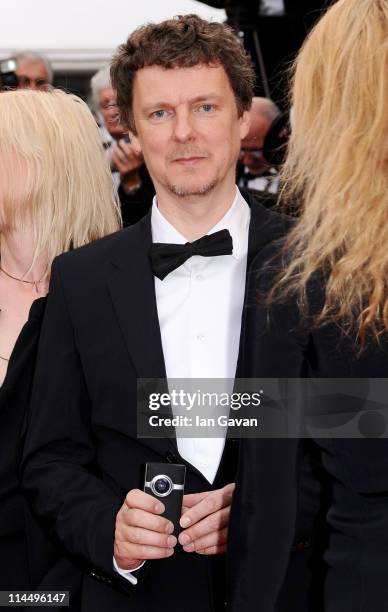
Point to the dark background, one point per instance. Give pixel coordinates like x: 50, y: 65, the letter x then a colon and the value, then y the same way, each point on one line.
x: 280, y: 37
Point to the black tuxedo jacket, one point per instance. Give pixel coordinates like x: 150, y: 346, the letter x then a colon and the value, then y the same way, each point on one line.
x: 100, y: 334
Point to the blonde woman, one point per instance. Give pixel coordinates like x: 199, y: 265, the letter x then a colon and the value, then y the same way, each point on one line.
x: 56, y: 193
x: 326, y: 315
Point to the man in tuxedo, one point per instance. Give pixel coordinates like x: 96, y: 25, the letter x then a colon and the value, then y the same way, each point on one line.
x: 118, y: 310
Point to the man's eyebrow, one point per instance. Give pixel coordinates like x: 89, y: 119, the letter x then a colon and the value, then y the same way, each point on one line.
x: 201, y: 98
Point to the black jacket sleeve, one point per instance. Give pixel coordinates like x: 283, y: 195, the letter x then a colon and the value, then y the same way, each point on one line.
x: 59, y: 472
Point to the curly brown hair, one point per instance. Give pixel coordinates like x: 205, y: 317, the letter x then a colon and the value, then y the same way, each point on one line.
x: 185, y: 41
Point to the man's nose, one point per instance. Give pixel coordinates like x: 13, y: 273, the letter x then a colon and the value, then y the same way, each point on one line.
x: 184, y: 129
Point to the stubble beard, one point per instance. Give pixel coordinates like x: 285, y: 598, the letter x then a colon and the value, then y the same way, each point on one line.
x: 183, y: 191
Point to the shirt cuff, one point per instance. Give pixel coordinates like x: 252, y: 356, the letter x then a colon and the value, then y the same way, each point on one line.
x: 127, y: 574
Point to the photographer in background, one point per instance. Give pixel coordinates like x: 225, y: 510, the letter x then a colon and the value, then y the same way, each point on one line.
x: 33, y: 71
x: 8, y: 78
x: 26, y: 70
x: 254, y: 171
x: 130, y: 175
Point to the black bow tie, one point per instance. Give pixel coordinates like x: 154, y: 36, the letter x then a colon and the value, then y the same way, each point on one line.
x: 167, y: 257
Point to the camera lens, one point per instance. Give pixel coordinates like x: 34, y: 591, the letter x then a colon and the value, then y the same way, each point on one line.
x: 161, y: 485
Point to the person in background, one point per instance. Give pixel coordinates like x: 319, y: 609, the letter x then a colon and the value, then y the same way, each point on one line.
x: 33, y: 70
x: 253, y: 171
x: 130, y: 175
x: 56, y: 194
x: 321, y: 312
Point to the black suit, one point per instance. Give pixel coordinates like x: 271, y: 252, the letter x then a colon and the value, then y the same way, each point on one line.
x: 28, y: 560
x: 353, y: 562
x: 100, y: 334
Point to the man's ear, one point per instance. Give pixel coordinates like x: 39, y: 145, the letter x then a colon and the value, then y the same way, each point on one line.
x: 245, y: 124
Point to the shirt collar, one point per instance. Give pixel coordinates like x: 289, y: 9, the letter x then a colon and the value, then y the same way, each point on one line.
x: 236, y: 220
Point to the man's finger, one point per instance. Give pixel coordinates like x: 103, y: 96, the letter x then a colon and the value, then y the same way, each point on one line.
x: 216, y: 538
x: 213, y: 502
x: 138, y: 535
x: 118, y: 155
x: 129, y: 152
x: 138, y: 499
x: 134, y: 517
x: 134, y: 141
x: 210, y: 524
x: 213, y: 550
x: 126, y: 147
x: 191, y: 499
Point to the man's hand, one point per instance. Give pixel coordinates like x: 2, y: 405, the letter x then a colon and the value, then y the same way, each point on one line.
x: 127, y: 158
x: 205, y: 519
x: 140, y: 532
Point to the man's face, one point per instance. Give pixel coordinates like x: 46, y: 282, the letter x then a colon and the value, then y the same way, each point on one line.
x: 188, y: 127
x: 107, y: 102
x: 251, y: 146
x: 32, y: 75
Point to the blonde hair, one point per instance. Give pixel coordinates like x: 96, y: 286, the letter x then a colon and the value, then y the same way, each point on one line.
x: 53, y: 173
x: 337, y: 168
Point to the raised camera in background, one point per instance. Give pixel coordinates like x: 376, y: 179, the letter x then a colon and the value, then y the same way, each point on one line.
x: 8, y: 76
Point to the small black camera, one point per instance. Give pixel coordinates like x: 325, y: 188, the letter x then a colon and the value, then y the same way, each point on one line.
x: 162, y: 485
x: 8, y: 76
x: 166, y: 482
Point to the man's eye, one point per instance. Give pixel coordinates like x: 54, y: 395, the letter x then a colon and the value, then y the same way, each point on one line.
x: 206, y: 108
x: 159, y: 114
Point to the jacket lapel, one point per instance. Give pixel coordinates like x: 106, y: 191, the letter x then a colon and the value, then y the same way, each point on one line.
x: 132, y: 290
x: 265, y: 226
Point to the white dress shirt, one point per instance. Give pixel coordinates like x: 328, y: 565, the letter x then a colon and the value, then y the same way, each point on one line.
x: 199, y: 309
